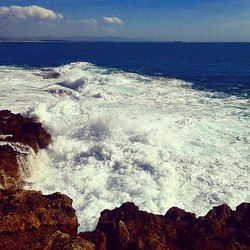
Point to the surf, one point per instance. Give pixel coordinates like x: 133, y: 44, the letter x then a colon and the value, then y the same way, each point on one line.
x: 120, y: 136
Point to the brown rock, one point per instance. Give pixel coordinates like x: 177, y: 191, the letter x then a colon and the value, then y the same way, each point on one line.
x: 30, y: 220
x: 129, y: 228
x: 9, y: 170
x: 59, y: 241
x: 15, y: 130
x: 23, y: 130
x: 97, y: 238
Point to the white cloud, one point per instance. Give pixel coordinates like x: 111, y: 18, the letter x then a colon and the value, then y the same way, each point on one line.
x: 113, y: 20
x: 91, y: 22
x: 29, y: 12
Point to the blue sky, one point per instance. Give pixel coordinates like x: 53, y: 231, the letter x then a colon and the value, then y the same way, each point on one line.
x: 162, y: 20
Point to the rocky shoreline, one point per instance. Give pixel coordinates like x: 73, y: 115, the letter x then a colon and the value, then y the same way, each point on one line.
x: 31, y: 220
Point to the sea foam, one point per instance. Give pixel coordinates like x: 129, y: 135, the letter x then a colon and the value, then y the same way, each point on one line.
x: 121, y: 136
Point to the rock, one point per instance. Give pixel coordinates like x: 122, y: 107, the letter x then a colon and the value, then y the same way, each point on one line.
x: 60, y: 91
x: 5, y: 114
x: 30, y: 220
x: 97, y: 237
x: 129, y: 228
x: 17, y: 134
x: 79, y: 244
x: 60, y: 240
x: 98, y: 95
x: 222, y: 228
x: 51, y: 75
x: 23, y: 130
x: 48, y: 74
x: 9, y: 170
x: 35, y: 129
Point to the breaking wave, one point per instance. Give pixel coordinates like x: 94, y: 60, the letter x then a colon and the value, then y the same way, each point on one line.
x: 121, y: 136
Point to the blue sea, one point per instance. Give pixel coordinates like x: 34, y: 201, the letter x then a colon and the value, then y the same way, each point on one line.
x: 158, y: 124
x: 213, y: 66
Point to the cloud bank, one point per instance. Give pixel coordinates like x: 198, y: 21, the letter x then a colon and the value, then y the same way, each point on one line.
x: 29, y: 12
x: 113, y: 20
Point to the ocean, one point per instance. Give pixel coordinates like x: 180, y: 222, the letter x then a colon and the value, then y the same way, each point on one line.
x: 158, y: 124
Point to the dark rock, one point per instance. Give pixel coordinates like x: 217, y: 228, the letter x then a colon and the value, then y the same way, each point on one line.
x: 59, y: 241
x: 51, y: 75
x: 98, y: 95
x: 35, y: 129
x: 23, y: 130
x: 97, y: 238
x: 5, y: 114
x: 48, y: 74
x: 60, y: 91
x: 9, y: 170
x: 129, y: 228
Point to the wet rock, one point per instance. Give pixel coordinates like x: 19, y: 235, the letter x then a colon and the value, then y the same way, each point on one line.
x: 37, y: 131
x: 60, y: 92
x: 30, y: 220
x: 51, y: 75
x: 15, y: 131
x: 9, y: 169
x: 222, y: 228
x: 98, y: 95
x: 48, y: 74
x: 23, y: 130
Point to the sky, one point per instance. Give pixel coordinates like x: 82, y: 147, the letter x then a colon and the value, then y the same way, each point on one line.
x: 149, y: 20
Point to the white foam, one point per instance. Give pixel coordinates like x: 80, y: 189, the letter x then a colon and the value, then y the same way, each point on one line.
x: 126, y: 137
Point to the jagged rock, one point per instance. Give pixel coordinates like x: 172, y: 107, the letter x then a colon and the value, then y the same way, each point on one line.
x: 15, y: 130
x: 30, y: 220
x: 222, y: 228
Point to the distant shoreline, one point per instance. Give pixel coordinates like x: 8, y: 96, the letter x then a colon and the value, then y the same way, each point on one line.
x: 38, y: 41
x: 104, y: 41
